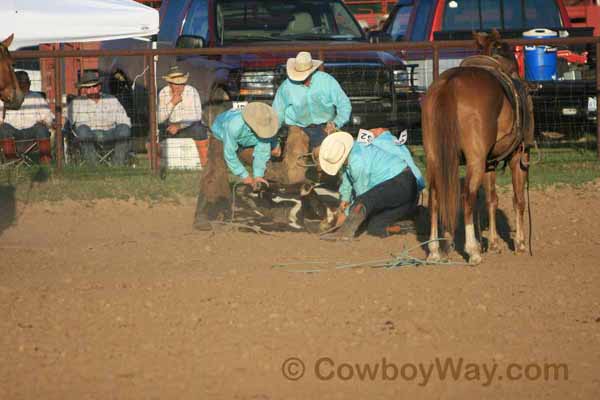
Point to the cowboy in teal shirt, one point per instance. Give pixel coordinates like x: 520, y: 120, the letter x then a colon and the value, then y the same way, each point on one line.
x: 380, y: 178
x: 255, y: 127
x: 312, y: 104
x: 231, y: 129
x: 320, y: 102
x: 371, y: 164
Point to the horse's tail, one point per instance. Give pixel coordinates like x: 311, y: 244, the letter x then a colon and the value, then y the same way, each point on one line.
x: 445, y: 145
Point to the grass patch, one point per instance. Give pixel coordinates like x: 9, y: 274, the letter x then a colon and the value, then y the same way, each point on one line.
x: 566, y: 165
x: 552, y: 166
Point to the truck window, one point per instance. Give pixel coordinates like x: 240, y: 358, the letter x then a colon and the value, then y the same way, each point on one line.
x: 252, y: 20
x: 397, y: 29
x: 196, y: 21
x: 466, y: 15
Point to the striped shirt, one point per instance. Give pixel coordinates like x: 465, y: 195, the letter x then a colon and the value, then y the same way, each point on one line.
x: 33, y: 110
x: 103, y: 115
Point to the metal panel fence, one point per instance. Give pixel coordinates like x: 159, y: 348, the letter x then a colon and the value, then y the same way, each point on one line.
x: 385, y: 83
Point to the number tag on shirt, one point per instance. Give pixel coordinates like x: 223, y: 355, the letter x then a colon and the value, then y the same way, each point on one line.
x: 402, y: 138
x: 364, y: 136
x: 239, y: 105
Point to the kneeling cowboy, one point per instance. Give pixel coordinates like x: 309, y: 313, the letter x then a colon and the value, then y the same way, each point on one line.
x: 383, y: 177
x: 249, y: 134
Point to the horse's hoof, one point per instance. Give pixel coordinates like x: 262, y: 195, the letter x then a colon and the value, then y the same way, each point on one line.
x: 475, y: 259
x: 520, y: 247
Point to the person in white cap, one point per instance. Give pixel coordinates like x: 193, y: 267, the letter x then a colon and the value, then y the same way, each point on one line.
x: 312, y: 104
x: 380, y: 182
x: 251, y: 130
x: 180, y: 112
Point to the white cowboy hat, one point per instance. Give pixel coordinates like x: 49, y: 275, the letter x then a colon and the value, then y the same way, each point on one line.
x: 176, y: 76
x: 334, y: 150
x: 300, y: 67
x: 262, y: 119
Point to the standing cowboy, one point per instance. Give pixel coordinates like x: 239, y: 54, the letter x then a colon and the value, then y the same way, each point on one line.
x: 380, y: 182
x: 247, y: 133
x: 180, y: 112
x: 99, y: 117
x: 313, y: 105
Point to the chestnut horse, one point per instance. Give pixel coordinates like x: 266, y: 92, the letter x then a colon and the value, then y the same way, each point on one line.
x: 467, y: 110
x: 10, y: 93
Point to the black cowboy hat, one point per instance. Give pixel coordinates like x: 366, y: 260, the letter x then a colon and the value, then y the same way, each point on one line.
x: 89, y: 78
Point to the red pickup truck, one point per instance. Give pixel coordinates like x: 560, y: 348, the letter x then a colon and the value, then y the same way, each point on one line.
x: 566, y: 101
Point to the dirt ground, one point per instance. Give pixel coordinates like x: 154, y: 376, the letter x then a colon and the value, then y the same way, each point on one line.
x: 123, y: 300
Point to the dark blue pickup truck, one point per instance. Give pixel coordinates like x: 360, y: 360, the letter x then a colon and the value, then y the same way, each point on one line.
x: 377, y: 83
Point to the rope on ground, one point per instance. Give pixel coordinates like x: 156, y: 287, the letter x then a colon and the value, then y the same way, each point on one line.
x: 399, y: 260
x: 233, y: 196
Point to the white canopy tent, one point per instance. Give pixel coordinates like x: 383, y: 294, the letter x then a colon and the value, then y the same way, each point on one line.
x: 34, y: 22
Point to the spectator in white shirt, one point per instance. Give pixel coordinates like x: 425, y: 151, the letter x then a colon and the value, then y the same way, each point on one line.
x: 99, y: 117
x: 180, y: 112
x: 32, y: 121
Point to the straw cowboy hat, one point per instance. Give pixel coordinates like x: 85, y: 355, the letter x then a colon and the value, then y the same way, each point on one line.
x: 89, y: 78
x: 300, y: 67
x: 334, y: 150
x: 262, y: 119
x: 176, y: 76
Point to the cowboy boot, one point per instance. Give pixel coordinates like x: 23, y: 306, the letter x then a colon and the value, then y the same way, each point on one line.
x: 45, y: 151
x: 355, y: 218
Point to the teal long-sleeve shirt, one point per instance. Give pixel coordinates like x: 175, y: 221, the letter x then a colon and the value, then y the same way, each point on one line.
x: 323, y: 100
x: 372, y: 164
x: 231, y: 129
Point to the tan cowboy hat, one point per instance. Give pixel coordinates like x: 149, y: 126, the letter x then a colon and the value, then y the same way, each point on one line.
x: 262, y: 119
x: 334, y: 150
x: 176, y: 76
x: 300, y: 68
x: 89, y: 78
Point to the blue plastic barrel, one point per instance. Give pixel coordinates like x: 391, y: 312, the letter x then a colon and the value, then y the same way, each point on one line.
x: 540, y: 61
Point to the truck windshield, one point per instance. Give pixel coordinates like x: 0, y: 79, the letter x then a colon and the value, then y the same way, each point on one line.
x: 252, y: 20
x: 466, y: 15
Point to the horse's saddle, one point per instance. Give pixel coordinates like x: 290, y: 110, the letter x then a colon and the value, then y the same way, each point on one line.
x: 518, y: 93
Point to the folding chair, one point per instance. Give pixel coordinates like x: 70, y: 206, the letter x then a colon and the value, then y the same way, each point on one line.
x: 19, y: 153
x: 73, y: 152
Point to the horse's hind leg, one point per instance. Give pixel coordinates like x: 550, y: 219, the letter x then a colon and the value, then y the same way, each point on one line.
x: 519, y: 177
x: 434, y: 244
x: 491, y: 201
x: 475, y: 172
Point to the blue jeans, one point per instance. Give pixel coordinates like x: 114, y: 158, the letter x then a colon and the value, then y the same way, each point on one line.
x: 119, y: 135
x: 390, y: 201
x: 37, y: 131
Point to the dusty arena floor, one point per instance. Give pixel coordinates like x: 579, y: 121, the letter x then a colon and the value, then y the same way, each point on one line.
x: 122, y: 300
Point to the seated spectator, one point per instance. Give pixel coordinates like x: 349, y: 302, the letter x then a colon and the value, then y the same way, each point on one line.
x: 180, y: 112
x: 99, y: 117
x: 31, y: 121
